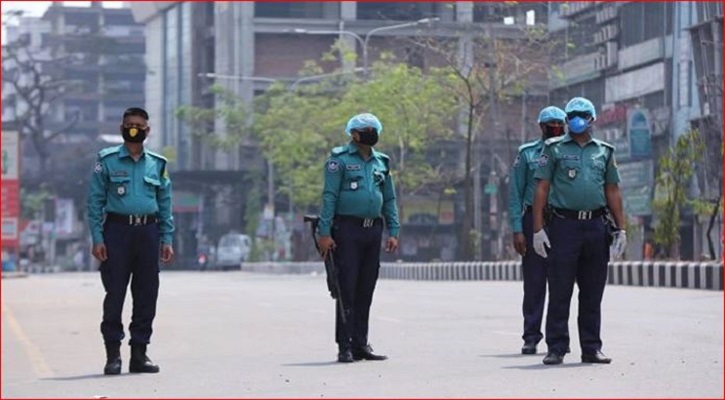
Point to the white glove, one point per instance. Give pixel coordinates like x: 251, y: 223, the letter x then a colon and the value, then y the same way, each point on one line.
x: 541, y: 239
x: 619, y: 244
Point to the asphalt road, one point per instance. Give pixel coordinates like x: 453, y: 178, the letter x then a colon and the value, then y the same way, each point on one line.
x: 237, y: 334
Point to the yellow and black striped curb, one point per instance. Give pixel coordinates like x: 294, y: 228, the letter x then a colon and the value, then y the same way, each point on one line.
x: 692, y: 275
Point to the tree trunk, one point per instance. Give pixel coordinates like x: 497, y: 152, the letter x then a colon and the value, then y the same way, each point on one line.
x: 467, y: 192
x: 713, y: 216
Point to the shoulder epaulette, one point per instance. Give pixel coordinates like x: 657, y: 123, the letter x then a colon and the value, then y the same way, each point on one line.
x: 553, y: 140
x: 108, y: 151
x: 527, y: 145
x: 338, y: 150
x: 603, y: 143
x: 157, y: 155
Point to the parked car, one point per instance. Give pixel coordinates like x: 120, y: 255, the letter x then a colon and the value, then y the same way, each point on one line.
x: 232, y: 251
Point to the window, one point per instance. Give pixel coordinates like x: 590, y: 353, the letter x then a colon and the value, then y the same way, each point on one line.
x: 119, y: 19
x: 291, y: 9
x: 397, y: 11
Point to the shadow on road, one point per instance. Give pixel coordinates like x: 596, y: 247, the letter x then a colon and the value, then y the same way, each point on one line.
x: 83, y: 377
x: 513, y: 355
x: 542, y: 366
x: 312, y: 364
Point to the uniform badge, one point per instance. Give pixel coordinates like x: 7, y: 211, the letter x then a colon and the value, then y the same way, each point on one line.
x: 572, y: 173
x: 333, y: 166
x: 121, y: 190
x: 543, y: 160
x: 353, y: 185
x: 98, y: 168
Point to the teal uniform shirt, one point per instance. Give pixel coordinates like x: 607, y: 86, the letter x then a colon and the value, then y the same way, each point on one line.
x: 121, y: 185
x: 358, y: 188
x: 577, y: 174
x: 522, y: 184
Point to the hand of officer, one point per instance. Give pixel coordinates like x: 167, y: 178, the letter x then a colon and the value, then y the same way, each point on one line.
x: 540, y: 241
x: 167, y: 253
x: 99, y: 252
x: 520, y: 243
x: 391, y: 245
x: 325, y: 243
x: 616, y: 250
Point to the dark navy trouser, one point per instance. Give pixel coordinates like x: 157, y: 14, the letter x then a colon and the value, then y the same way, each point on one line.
x: 133, y: 254
x: 578, y: 253
x: 357, y: 257
x: 534, y: 270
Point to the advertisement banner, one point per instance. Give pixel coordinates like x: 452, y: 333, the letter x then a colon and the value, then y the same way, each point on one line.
x: 10, y: 188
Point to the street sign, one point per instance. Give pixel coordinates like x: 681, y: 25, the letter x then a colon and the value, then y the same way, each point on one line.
x: 640, y: 143
x: 636, y: 174
x: 10, y: 188
x: 637, y: 201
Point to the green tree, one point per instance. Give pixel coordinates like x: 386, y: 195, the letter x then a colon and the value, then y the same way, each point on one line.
x: 482, y: 72
x: 676, y: 169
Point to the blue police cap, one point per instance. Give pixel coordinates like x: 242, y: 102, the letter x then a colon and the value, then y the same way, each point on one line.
x: 365, y: 120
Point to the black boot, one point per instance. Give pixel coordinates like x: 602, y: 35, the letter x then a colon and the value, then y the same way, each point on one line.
x: 113, y: 358
x: 344, y: 354
x: 139, y: 361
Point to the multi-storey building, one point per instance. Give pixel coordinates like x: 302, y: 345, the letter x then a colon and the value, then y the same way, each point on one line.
x: 247, y: 45
x: 634, y: 60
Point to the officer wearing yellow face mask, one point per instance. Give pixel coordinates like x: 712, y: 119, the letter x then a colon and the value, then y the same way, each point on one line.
x: 129, y: 216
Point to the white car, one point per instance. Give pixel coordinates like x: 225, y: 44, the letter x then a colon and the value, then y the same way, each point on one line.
x: 232, y: 251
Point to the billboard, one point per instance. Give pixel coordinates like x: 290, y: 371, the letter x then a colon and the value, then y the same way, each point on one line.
x: 10, y: 188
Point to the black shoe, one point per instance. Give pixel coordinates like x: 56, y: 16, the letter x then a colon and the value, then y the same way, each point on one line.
x: 140, y: 362
x: 366, y: 353
x: 344, y: 356
x: 529, y: 348
x: 553, y: 358
x: 596, y: 358
x: 113, y: 359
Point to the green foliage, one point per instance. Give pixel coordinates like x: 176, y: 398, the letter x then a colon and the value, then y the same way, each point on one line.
x: 231, y: 111
x: 31, y: 203
x: 676, y: 168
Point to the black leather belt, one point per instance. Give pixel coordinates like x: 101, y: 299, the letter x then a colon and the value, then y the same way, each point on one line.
x: 364, y: 222
x: 580, y: 215
x: 136, y: 220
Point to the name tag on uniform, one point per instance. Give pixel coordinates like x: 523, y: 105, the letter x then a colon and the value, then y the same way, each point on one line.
x: 354, y: 167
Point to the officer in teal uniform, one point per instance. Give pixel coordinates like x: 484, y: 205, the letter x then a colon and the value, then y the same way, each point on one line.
x: 578, y: 175
x: 129, y: 216
x: 521, y: 198
x: 358, y: 196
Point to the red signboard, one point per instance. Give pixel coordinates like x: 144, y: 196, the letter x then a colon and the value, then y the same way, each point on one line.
x: 10, y: 188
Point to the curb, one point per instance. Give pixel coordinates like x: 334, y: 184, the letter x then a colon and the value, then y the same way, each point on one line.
x: 14, y: 274
x: 676, y: 274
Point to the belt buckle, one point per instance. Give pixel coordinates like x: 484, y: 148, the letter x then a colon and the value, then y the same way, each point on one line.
x: 368, y: 222
x: 137, y: 220
x: 584, y: 215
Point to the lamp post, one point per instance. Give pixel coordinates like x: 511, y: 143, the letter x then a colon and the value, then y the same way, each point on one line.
x: 364, y: 42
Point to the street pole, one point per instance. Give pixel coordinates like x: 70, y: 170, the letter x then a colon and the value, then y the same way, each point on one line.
x: 364, y: 42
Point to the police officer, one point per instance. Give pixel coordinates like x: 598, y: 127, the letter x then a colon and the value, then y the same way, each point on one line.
x: 521, y: 198
x: 358, y: 194
x: 129, y: 215
x: 581, y: 174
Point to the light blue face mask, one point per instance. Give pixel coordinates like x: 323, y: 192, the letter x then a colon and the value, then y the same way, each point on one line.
x: 578, y: 125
